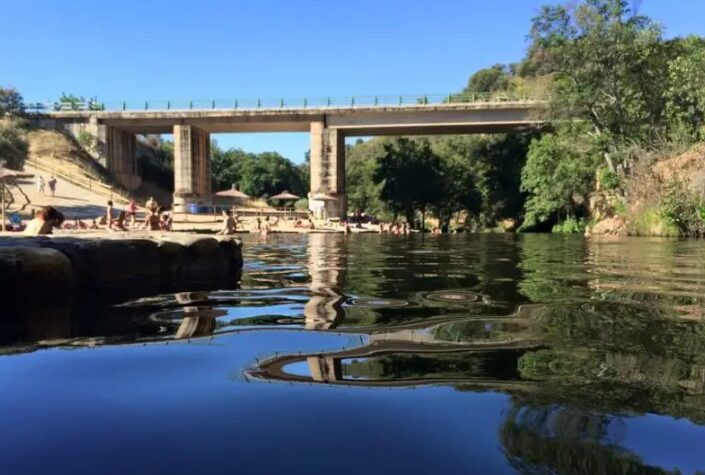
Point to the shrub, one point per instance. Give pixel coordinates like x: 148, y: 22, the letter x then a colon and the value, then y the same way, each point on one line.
x: 87, y: 140
x: 13, y: 145
x: 607, y: 178
x: 570, y: 226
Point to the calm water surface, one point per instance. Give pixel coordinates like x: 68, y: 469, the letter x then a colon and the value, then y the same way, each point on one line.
x: 364, y: 354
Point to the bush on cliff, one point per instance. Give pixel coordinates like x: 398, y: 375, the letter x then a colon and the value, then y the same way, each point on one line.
x: 13, y: 144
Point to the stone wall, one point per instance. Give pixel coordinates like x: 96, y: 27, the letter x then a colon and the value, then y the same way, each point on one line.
x: 54, y: 269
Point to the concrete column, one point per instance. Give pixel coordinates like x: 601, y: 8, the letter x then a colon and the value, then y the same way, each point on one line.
x: 192, y: 170
x: 120, y: 154
x: 327, y: 168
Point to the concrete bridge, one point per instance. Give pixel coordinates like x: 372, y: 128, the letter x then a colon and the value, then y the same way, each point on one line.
x: 115, y: 135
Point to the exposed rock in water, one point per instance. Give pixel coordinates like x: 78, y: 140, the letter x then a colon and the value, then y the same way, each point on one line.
x: 39, y: 274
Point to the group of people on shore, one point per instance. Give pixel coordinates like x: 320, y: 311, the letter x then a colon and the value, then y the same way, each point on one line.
x: 156, y: 218
x: 231, y: 224
x: 46, y: 219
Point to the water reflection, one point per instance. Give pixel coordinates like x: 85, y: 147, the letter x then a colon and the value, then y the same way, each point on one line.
x: 585, y: 339
x: 326, y: 267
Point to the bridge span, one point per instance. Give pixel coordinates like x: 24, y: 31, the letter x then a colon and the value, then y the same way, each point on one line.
x: 116, y: 145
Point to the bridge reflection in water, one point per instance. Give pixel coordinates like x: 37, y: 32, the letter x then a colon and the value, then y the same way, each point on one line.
x: 562, y: 331
x: 326, y: 267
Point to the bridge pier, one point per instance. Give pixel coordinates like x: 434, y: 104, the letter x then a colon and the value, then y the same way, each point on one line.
x: 120, y: 150
x: 327, y: 166
x: 192, y: 167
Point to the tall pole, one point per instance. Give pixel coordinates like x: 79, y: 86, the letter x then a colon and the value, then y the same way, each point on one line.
x: 2, y: 202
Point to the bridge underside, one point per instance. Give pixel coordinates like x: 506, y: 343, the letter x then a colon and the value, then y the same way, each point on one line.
x: 115, y: 132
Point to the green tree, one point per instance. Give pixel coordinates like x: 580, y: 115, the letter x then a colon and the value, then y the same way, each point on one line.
x: 410, y: 177
x: 13, y: 145
x: 685, y: 95
x: 11, y: 102
x: 155, y: 157
x: 70, y: 101
x: 488, y: 80
x: 558, y: 175
x: 360, y: 165
x: 609, y: 67
x: 262, y: 174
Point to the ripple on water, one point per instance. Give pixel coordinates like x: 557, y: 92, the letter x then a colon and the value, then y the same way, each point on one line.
x: 371, y: 302
x: 453, y: 296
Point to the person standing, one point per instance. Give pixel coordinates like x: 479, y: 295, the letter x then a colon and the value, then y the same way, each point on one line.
x: 132, y: 212
x: 41, y: 185
x: 152, y: 205
x: 52, y: 185
x: 109, y: 214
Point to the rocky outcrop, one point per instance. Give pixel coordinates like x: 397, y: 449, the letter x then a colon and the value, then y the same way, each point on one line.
x: 116, y: 266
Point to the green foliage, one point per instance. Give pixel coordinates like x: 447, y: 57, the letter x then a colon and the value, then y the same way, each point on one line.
x: 13, y: 145
x: 11, y: 102
x: 362, y: 190
x: 87, y: 140
x: 74, y: 102
x: 683, y: 210
x: 685, y: 95
x: 156, y: 161
x: 570, y: 226
x: 410, y: 176
x: 608, y: 179
x: 558, y: 175
x: 488, y: 80
x: 257, y: 174
x: 651, y: 222
x: 609, y: 65
x: 301, y: 204
x: 479, y: 174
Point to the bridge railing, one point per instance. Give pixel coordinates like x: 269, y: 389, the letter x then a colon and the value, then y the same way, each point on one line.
x: 284, y: 103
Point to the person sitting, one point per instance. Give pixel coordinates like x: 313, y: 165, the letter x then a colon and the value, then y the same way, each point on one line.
x: 151, y: 205
x: 346, y: 227
x: 310, y: 224
x: 44, y: 221
x: 119, y: 222
x: 229, y: 224
x: 152, y: 222
x: 166, y: 222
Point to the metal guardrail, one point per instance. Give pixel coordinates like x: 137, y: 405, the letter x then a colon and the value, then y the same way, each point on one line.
x: 282, y: 103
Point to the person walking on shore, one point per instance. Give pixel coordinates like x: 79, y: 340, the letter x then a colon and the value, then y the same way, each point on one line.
x: 41, y: 185
x: 52, y: 185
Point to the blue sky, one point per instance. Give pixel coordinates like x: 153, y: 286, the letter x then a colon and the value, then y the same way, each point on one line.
x: 155, y: 49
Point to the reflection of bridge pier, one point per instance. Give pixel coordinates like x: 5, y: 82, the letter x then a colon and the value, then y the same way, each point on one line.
x: 326, y: 266
x: 196, y: 321
x: 325, y: 368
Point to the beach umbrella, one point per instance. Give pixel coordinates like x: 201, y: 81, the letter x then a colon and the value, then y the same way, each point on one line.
x: 284, y: 196
x: 232, y: 193
x: 7, y: 175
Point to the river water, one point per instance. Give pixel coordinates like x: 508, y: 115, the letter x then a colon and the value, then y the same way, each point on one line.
x: 365, y: 354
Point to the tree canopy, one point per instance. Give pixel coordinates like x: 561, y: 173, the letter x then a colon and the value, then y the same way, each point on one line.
x: 11, y: 102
